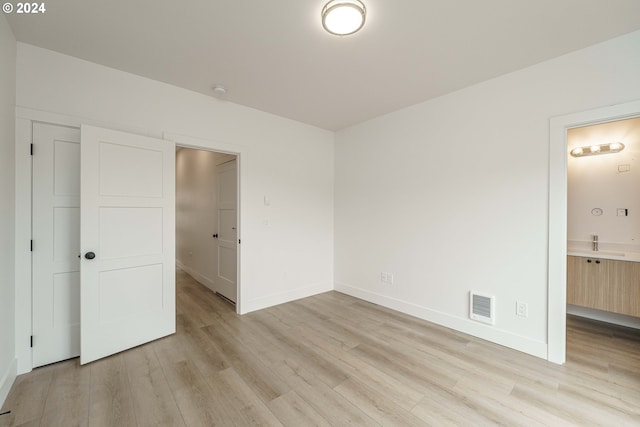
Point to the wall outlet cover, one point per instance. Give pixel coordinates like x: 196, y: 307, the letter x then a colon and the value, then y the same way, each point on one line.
x: 522, y: 309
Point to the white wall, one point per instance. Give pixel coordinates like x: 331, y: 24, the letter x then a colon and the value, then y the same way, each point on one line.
x: 7, y: 206
x: 196, y: 213
x: 290, y: 162
x: 451, y: 195
x: 609, y: 182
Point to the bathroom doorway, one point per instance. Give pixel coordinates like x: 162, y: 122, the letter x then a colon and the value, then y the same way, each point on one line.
x: 603, y: 222
x: 561, y: 129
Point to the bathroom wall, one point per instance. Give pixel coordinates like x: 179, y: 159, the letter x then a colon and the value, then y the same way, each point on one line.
x: 605, y: 183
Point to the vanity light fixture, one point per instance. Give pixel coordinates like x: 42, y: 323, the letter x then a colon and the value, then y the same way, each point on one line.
x: 614, y: 147
x: 343, y: 17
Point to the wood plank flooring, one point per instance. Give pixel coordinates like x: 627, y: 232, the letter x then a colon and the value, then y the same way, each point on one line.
x: 333, y: 360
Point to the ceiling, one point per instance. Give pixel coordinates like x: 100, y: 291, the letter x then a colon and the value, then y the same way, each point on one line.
x: 274, y: 55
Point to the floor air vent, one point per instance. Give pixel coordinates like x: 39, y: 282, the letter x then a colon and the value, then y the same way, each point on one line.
x: 481, y: 308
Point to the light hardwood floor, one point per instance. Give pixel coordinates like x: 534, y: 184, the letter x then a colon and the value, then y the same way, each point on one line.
x: 332, y: 360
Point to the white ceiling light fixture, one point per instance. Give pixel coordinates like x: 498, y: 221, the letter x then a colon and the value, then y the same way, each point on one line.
x: 343, y: 17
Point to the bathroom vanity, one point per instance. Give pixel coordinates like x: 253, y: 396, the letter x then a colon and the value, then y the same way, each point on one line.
x: 604, y: 282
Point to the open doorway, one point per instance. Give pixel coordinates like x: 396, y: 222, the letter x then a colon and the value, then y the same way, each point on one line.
x: 558, y: 216
x: 206, y: 219
x: 603, y: 226
x: 603, y: 231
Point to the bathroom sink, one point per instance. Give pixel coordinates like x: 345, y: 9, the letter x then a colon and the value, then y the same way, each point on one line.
x: 622, y: 256
x: 582, y: 251
x: 595, y: 254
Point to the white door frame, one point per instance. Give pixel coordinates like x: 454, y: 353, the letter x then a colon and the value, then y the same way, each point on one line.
x: 23, y: 277
x: 557, y: 274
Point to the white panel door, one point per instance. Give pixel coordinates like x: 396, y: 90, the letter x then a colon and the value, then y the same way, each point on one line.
x: 56, y: 243
x: 227, y: 230
x: 127, y: 241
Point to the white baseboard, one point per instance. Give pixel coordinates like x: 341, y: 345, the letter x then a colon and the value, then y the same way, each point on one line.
x: 7, y: 379
x: 479, y: 330
x: 203, y: 280
x: 299, y: 293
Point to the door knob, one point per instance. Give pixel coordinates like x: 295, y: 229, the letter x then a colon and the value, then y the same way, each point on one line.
x: 89, y: 255
x: 215, y: 236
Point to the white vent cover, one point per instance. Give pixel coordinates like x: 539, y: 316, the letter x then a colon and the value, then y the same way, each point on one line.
x: 481, y: 308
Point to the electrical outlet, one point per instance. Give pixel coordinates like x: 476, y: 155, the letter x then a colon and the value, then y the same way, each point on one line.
x: 383, y: 277
x: 522, y: 309
x: 390, y: 278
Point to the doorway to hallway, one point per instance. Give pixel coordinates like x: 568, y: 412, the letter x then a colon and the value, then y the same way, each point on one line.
x: 207, y: 218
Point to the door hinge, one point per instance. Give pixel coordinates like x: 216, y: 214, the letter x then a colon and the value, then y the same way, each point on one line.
x: 31, y: 151
x: 31, y: 245
x: 31, y: 341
